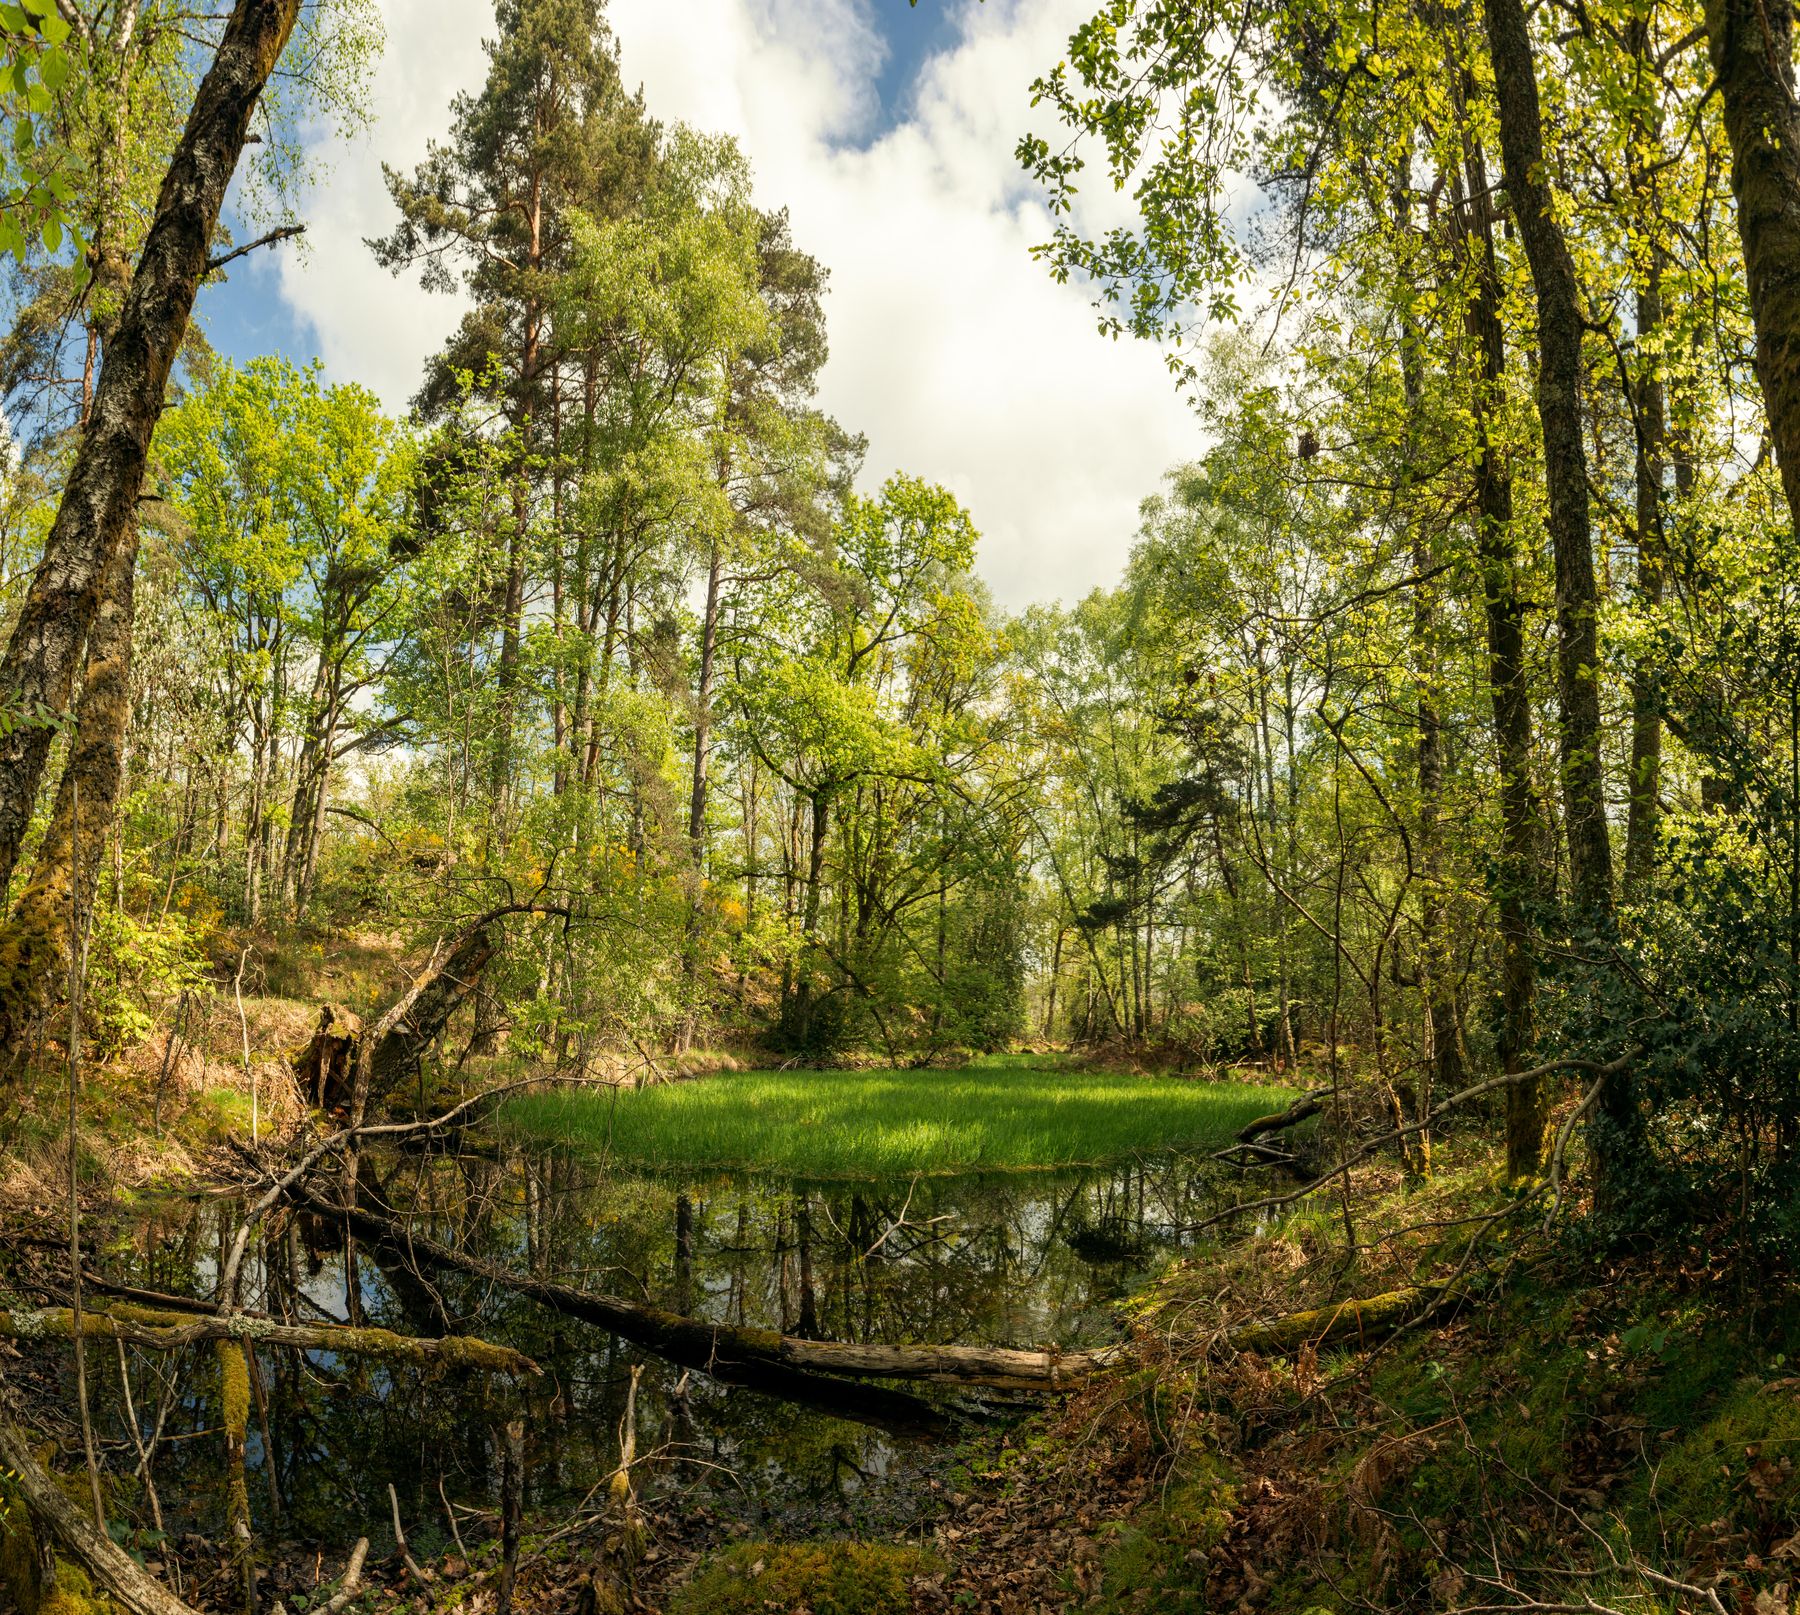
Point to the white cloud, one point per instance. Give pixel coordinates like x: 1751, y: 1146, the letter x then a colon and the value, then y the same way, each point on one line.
x: 373, y: 326
x: 950, y: 347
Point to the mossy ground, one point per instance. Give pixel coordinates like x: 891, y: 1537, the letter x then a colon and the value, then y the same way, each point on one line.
x: 825, y: 1578
x: 1585, y: 1419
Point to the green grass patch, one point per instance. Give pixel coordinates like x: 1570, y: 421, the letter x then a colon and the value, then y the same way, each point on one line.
x: 993, y: 1116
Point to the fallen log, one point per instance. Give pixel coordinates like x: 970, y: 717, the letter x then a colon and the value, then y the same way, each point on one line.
x: 723, y: 1350
x: 117, y: 1572
x: 171, y: 1330
x: 1361, y: 1321
x: 348, y: 1064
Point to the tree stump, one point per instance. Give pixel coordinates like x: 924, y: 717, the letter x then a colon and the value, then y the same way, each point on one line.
x: 326, y: 1065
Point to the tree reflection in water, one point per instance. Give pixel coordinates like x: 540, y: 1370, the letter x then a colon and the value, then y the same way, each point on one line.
x: 1024, y: 1259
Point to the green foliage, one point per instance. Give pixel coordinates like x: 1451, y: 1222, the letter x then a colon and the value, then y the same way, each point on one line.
x: 37, y: 172
x: 137, y: 969
x: 1153, y: 1560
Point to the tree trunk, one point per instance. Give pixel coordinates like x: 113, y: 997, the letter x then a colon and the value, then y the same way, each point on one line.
x: 703, y: 699
x: 1753, y: 56
x: 99, y: 502
x: 1515, y: 886
x: 35, y: 945
x: 1649, y: 408
x: 1565, y: 459
x: 1646, y: 706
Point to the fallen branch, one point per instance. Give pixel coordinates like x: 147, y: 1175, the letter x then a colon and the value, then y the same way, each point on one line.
x: 352, y: 1578
x: 1359, y: 1320
x: 1302, y: 1109
x: 1598, y: 1069
x: 341, y: 1139
x: 116, y: 1571
x: 170, y: 1331
x: 412, y: 1565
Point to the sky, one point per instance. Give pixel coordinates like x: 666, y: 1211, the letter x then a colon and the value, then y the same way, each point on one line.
x: 888, y: 132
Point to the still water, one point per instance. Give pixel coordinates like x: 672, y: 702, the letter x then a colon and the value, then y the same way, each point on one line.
x: 1025, y: 1259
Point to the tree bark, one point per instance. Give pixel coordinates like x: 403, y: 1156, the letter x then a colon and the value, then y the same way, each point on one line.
x: 36, y: 941
x: 1649, y: 409
x: 1515, y: 886
x: 1646, y: 704
x: 116, y: 1571
x: 99, y: 502
x: 1565, y: 459
x: 1753, y: 57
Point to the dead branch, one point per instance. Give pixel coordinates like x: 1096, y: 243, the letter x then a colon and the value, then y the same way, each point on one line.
x: 751, y: 1356
x: 1306, y: 1106
x: 170, y: 1331
x: 283, y: 233
x: 139, y: 1592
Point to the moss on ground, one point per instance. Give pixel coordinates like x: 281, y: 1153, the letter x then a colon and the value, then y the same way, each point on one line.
x: 1155, y: 1562
x: 1582, y: 1416
x: 34, y: 1582
x: 824, y: 1578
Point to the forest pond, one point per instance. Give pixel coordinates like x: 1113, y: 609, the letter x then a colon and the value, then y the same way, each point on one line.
x: 1017, y: 1259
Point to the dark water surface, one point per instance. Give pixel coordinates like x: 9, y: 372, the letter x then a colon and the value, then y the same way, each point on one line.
x: 1026, y: 1259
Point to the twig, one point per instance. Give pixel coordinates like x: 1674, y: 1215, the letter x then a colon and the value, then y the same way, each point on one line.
x: 170, y: 1049
x: 410, y: 1562
x: 137, y: 1438
x: 1558, y: 1154
x: 267, y: 240
x: 450, y: 1515
x: 1672, y: 1585
x: 237, y: 992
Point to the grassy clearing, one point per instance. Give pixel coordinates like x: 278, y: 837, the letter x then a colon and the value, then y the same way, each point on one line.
x: 997, y: 1115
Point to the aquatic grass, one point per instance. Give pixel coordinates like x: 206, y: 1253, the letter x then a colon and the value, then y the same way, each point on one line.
x: 825, y: 1124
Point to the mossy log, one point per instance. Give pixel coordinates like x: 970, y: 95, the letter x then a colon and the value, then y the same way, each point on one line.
x: 168, y: 1331
x: 1354, y: 1321
x: 1302, y: 1109
x: 87, y: 1548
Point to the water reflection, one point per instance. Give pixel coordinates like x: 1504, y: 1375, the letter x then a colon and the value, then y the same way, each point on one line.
x: 1016, y: 1260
